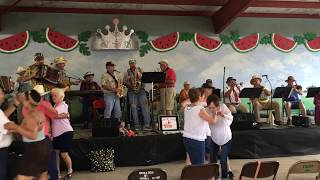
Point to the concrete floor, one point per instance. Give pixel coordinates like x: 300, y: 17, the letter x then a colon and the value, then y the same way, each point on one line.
x: 173, y: 169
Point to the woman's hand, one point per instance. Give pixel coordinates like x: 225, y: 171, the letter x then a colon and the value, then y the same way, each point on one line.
x: 219, y: 113
x: 11, y: 127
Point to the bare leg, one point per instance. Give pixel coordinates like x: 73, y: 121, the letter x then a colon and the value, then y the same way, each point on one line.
x: 20, y: 177
x: 58, y: 162
x: 66, y: 158
x: 288, y: 109
x: 188, y: 162
x: 257, y: 107
x: 43, y: 176
x: 302, y: 109
x: 232, y: 109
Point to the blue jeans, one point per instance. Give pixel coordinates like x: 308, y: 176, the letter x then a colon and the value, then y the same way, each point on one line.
x: 139, y: 99
x: 53, y: 170
x: 112, y: 103
x: 87, y: 109
x: 195, y: 149
x: 3, y: 162
x: 223, y: 156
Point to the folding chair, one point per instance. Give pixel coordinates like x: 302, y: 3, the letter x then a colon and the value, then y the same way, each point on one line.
x: 148, y: 174
x: 259, y: 169
x: 304, y: 167
x: 200, y: 172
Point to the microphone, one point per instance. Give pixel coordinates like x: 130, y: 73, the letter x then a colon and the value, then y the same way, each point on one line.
x: 265, y: 75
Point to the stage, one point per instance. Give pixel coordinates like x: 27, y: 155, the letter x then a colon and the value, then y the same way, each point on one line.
x: 158, y: 148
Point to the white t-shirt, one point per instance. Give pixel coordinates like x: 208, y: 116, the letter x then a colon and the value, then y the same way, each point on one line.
x: 232, y: 97
x: 5, y: 138
x: 194, y: 126
x: 220, y: 131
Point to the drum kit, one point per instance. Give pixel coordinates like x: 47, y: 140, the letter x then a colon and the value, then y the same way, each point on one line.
x: 47, y: 74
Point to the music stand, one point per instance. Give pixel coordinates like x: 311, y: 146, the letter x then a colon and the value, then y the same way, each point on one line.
x: 250, y: 93
x: 153, y: 77
x: 313, y: 91
x: 284, y: 93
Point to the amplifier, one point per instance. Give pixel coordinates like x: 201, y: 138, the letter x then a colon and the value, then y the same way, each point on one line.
x: 302, y: 121
x: 242, y: 121
x: 105, y: 128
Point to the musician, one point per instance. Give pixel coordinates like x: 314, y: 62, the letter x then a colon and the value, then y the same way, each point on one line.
x: 232, y: 99
x: 32, y: 70
x: 64, y: 81
x: 111, y: 83
x: 263, y: 102
x: 294, y: 99
x: 137, y: 95
x: 184, y: 93
x: 88, y: 85
x: 167, y: 89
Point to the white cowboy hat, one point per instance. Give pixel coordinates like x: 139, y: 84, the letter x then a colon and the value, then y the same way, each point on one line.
x: 40, y: 89
x: 164, y: 61
x: 20, y: 70
x: 59, y: 60
x: 255, y: 77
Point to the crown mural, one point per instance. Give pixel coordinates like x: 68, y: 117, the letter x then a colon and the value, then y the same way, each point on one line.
x: 116, y: 40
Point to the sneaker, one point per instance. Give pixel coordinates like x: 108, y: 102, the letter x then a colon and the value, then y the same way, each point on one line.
x: 230, y: 175
x: 279, y: 123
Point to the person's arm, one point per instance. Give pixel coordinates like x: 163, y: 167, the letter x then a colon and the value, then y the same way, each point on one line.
x: 29, y: 128
x: 266, y: 91
x: 62, y: 112
x: 212, y: 119
x: 106, y: 85
x: 228, y: 92
x: 97, y: 86
x: 226, y: 114
x: 12, y: 108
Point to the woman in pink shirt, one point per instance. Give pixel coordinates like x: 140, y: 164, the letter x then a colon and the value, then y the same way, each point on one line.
x: 62, y: 131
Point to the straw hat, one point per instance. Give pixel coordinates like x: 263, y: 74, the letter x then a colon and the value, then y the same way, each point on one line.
x: 255, y: 77
x: 186, y: 83
x: 88, y: 74
x: 59, y: 60
x: 132, y: 61
x: 164, y: 61
x: 40, y: 89
x: 20, y: 70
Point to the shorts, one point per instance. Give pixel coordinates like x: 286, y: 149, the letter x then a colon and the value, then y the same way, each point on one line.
x: 35, y: 159
x: 63, y: 142
x: 167, y: 98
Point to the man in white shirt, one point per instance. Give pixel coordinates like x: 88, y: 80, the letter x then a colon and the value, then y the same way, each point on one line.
x: 5, y: 140
x: 232, y: 99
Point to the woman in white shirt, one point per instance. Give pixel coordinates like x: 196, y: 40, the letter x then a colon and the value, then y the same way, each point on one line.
x: 5, y: 139
x: 220, y: 132
x: 196, y: 127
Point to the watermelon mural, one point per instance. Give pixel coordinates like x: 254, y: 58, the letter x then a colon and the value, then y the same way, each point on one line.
x: 64, y: 43
x: 206, y: 43
x: 14, y: 43
x: 246, y: 44
x: 60, y: 41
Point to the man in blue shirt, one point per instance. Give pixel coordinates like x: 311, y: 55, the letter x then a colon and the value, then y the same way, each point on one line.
x: 294, y: 100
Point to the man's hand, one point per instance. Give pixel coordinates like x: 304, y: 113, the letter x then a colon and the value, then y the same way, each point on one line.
x: 11, y: 127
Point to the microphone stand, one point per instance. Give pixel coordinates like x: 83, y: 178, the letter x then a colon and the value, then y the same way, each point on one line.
x: 223, y: 84
x: 271, y: 91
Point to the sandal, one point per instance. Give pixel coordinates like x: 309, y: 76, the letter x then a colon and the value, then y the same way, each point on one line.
x: 68, y: 176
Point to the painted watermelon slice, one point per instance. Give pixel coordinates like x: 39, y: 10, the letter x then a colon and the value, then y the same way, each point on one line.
x: 206, y: 43
x: 282, y: 43
x: 14, y: 43
x: 313, y: 45
x: 60, y: 41
x: 165, y: 43
x: 247, y: 43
